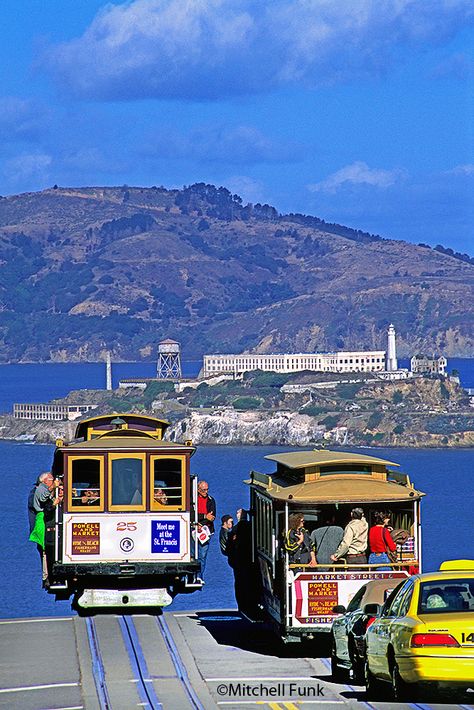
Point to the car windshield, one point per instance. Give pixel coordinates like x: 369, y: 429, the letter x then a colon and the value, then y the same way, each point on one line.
x: 445, y: 596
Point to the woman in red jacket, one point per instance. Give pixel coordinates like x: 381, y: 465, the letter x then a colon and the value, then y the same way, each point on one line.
x: 380, y: 541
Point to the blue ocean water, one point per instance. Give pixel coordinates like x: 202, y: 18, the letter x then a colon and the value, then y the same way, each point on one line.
x: 444, y: 475
x: 40, y: 383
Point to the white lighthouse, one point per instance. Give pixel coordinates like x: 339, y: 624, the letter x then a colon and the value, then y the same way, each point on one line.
x: 392, y: 364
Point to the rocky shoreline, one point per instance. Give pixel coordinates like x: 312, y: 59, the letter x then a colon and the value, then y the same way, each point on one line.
x: 264, y: 408
x: 227, y: 427
x: 286, y: 428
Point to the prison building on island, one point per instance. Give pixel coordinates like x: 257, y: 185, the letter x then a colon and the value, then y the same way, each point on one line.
x: 355, y: 361
x: 51, y: 412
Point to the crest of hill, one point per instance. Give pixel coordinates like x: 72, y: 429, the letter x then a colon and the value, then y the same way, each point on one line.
x: 95, y: 268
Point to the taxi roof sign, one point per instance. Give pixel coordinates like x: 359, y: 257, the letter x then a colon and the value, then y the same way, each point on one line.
x: 456, y: 565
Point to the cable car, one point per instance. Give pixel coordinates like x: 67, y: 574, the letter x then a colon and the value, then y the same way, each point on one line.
x: 323, y: 485
x: 123, y: 536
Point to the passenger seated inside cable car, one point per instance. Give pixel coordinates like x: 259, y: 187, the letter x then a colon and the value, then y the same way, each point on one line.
x: 167, y: 483
x: 90, y: 496
x: 160, y: 496
x: 86, y: 488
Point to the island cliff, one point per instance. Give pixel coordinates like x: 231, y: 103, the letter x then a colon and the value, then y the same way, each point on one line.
x: 303, y: 409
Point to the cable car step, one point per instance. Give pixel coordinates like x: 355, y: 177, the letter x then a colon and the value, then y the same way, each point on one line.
x: 122, y: 598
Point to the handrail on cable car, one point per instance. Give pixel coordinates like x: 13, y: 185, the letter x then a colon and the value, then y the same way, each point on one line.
x: 341, y: 566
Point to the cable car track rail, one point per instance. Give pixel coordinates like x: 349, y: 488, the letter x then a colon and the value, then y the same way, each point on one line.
x: 138, y: 663
x: 178, y: 663
x: 135, y: 658
x: 98, y: 670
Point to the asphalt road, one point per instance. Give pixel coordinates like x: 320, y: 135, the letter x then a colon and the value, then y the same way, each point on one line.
x: 201, y: 660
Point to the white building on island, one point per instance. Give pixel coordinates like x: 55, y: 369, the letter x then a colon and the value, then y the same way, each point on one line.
x: 51, y: 412
x: 382, y: 362
x: 435, y: 365
x: 343, y: 361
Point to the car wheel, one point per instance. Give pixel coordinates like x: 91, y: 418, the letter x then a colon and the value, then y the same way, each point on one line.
x: 401, y: 690
x: 339, y: 675
x: 373, y: 687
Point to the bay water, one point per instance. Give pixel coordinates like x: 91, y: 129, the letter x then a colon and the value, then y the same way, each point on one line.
x: 445, y: 475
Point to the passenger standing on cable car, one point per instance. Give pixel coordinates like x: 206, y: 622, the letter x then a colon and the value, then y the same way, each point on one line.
x: 206, y: 516
x: 31, y: 509
x: 42, y: 502
x: 327, y: 539
x: 55, y: 501
x: 354, y: 543
x: 381, y: 541
x: 224, y: 534
x: 298, y: 544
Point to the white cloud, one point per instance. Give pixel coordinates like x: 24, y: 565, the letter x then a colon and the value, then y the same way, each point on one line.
x: 207, y: 49
x: 358, y: 173
x: 463, y: 170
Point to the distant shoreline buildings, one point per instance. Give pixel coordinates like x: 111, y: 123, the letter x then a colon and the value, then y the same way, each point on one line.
x: 224, y: 366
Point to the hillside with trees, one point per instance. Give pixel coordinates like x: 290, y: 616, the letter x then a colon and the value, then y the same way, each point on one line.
x: 84, y: 270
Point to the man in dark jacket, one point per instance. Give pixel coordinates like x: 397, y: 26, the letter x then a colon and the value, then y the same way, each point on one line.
x: 247, y: 581
x: 226, y: 528
x: 206, y: 516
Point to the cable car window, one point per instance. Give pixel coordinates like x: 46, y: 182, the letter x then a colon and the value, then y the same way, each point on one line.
x: 86, y: 483
x: 126, y: 482
x: 167, y: 483
x: 345, y: 468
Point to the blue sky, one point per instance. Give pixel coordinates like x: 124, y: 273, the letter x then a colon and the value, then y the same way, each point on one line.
x: 356, y: 111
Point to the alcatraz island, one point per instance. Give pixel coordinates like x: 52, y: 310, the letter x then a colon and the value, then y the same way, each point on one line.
x: 87, y: 267
x: 357, y: 398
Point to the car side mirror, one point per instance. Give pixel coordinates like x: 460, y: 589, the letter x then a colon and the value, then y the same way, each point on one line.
x: 372, y: 609
x: 339, y: 609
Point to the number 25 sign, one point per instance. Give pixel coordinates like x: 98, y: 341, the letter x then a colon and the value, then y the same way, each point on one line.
x: 122, y: 527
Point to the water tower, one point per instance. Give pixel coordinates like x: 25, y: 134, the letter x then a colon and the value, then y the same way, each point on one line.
x: 169, y: 360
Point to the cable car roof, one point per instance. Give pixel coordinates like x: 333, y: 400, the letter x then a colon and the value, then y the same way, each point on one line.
x: 85, y: 424
x: 323, y: 457
x: 347, y: 489
x: 145, y: 443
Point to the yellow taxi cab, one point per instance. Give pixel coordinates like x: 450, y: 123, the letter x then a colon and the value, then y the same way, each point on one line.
x: 424, y: 634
